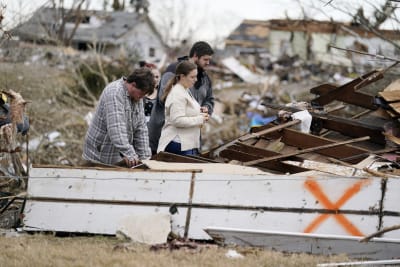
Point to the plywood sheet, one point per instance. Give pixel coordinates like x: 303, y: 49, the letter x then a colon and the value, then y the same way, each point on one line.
x: 390, y: 96
x: 92, y: 184
x: 287, y: 191
x: 275, y: 221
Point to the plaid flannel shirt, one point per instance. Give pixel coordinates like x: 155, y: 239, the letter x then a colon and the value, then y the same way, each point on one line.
x: 118, y: 128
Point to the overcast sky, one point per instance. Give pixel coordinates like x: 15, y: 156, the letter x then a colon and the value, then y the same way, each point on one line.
x: 219, y: 17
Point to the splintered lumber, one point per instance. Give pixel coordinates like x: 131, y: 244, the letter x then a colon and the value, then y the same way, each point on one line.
x: 395, y: 106
x: 347, y: 92
x: 170, y: 157
x: 390, y: 96
x: 269, y: 130
x: 307, y: 150
x: 344, y: 126
x: 380, y: 232
x: 247, y: 137
x: 242, y: 152
x: 301, y: 140
x: 375, y: 173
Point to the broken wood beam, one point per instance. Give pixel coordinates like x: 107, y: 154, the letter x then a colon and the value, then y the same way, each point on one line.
x: 379, y: 233
x: 269, y: 130
x: 303, y: 140
x: 170, y: 157
x: 233, y: 153
x: 342, y: 125
x: 347, y: 92
x: 373, y: 172
x: 307, y: 150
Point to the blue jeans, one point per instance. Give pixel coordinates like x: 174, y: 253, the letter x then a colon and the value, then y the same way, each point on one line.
x: 174, y: 147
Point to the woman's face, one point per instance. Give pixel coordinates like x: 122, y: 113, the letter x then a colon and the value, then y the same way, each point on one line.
x: 188, y: 80
x: 157, y: 76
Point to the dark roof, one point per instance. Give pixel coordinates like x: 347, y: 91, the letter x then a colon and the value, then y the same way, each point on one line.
x: 249, y: 33
x: 102, y: 26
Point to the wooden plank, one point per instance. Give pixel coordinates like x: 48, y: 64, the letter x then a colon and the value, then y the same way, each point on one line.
x: 323, y: 89
x: 170, y: 157
x: 233, y: 154
x: 390, y: 96
x: 377, y: 249
x: 296, y: 211
x: 258, y: 152
x: 302, y: 140
x: 394, y: 86
x: 94, y: 200
x: 267, y: 191
x: 344, y: 126
x: 352, y: 128
x: 84, y: 217
x: 269, y: 130
x: 346, y: 93
x: 395, y: 106
x: 103, y: 184
x: 306, y: 150
x: 271, y: 220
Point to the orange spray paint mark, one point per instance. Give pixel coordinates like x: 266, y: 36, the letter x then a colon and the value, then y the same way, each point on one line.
x: 319, y: 194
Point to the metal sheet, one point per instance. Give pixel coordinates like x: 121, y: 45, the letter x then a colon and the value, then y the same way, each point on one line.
x: 275, y: 221
x: 376, y: 249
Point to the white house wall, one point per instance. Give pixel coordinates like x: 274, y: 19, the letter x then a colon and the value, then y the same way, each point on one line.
x: 139, y: 40
x: 375, y: 46
x: 280, y: 40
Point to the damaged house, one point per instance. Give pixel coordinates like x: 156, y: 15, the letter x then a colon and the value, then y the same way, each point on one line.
x: 310, y: 40
x: 116, y: 33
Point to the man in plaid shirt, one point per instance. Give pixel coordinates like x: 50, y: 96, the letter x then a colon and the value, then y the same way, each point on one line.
x: 118, y: 133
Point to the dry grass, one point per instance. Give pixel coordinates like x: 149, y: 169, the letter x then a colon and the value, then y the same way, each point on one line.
x: 46, y: 250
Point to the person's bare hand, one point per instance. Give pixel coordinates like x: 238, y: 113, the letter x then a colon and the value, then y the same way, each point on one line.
x: 206, y: 117
x: 204, y: 109
x: 130, y: 163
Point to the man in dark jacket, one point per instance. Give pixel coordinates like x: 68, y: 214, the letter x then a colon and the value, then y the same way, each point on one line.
x: 200, y: 54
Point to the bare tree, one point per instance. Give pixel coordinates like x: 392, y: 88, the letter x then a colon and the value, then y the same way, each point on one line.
x: 174, y: 21
x: 74, y: 14
x: 4, y: 35
x: 381, y: 13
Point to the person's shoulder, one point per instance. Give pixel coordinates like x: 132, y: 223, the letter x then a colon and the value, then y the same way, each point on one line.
x: 177, y: 89
x: 172, y: 67
x: 114, y: 88
x: 207, y: 77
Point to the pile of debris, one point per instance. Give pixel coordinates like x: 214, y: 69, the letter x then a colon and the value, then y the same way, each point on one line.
x: 12, y: 173
x: 326, y: 137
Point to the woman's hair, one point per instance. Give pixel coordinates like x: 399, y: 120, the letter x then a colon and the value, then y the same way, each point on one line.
x: 183, y: 68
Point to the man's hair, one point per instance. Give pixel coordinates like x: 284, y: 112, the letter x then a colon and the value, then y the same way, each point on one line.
x: 201, y: 49
x: 144, y: 79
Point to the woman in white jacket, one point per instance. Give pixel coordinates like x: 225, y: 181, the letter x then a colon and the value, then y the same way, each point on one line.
x: 183, y: 117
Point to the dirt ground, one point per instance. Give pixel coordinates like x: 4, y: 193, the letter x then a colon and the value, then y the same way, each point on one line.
x: 47, y: 250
